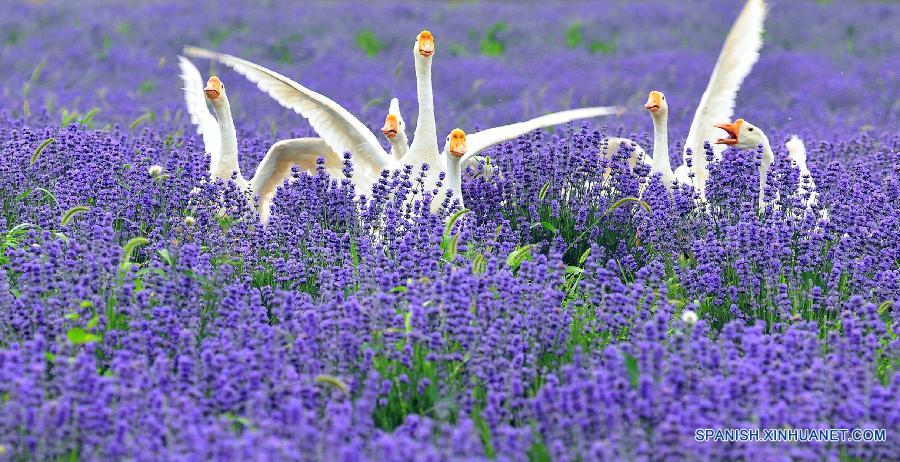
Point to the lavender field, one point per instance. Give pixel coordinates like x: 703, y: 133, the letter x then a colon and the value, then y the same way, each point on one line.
x: 574, y: 309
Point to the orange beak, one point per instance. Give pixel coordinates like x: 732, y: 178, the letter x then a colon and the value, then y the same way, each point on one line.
x: 733, y: 129
x: 457, y: 143
x: 213, y: 88
x: 391, y: 126
x: 654, y: 101
x: 426, y: 43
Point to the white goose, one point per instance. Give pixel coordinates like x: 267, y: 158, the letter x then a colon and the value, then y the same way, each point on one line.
x: 220, y: 141
x: 394, y: 130
x: 343, y: 132
x: 739, y: 53
x: 744, y: 135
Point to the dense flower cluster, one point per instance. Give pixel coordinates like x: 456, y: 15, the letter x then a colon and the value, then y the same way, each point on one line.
x: 145, y: 314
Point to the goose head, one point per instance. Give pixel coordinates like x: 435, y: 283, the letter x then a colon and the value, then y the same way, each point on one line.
x: 656, y: 104
x: 456, y: 143
x: 214, y: 88
x: 425, y: 44
x: 742, y: 135
x: 393, y: 124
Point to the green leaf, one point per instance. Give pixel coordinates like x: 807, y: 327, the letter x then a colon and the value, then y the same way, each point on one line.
x: 166, y: 256
x: 491, y: 45
x: 605, y: 48
x: 543, y: 192
x: 333, y: 381
x: 78, y: 336
x: 40, y: 149
x: 93, y: 322
x: 574, y: 270
x: 67, y: 217
x: 24, y: 194
x: 368, y: 42
x: 631, y: 366
x: 36, y: 73
x: 626, y: 200
x: 479, y: 264
x: 48, y: 195
x: 68, y: 117
x: 574, y: 34
x: 128, y: 251
x: 399, y: 289
x: 71, y: 316
x: 584, y: 256
x: 407, y: 322
x: 86, y: 119
x: 145, y: 117
x: 452, y: 220
x: 519, y: 255
x: 451, y: 249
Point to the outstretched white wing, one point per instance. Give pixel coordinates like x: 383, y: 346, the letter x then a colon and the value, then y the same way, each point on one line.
x: 479, y: 141
x: 206, y: 123
x: 275, y: 167
x: 739, y: 53
x: 341, y: 130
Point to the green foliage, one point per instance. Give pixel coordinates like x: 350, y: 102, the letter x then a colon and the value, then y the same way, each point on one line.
x: 68, y: 117
x: 79, y: 336
x: 333, y: 382
x: 603, y: 47
x: 147, y: 86
x: 86, y: 120
x: 11, y: 238
x: 368, y: 42
x: 147, y: 116
x: 449, y: 241
x: 575, y: 34
x: 40, y: 149
x: 634, y: 375
x: 491, y: 45
x: 71, y: 213
x: 128, y: 251
x: 520, y: 254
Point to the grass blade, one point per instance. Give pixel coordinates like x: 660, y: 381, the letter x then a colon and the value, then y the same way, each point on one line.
x: 40, y: 149
x: 70, y: 214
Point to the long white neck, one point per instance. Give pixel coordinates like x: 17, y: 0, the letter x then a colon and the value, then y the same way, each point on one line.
x: 228, y: 160
x: 767, y: 158
x: 424, y: 147
x: 454, y: 176
x: 661, y: 162
x: 399, y: 144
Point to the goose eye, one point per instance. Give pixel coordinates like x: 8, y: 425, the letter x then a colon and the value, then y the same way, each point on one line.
x: 751, y: 129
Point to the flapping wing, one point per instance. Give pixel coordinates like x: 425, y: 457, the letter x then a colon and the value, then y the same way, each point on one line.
x: 206, y: 123
x: 303, y: 152
x: 739, y: 53
x: 479, y: 141
x: 797, y: 152
x: 338, y: 128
